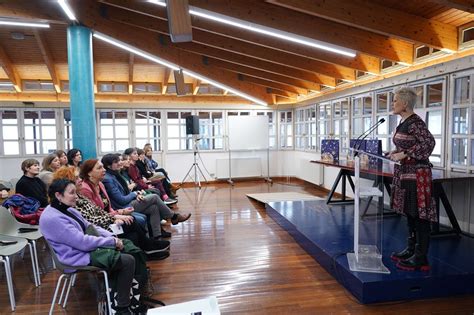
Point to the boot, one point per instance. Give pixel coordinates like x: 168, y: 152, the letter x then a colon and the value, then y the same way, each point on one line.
x: 419, y: 260
x: 407, y: 252
x: 178, y: 217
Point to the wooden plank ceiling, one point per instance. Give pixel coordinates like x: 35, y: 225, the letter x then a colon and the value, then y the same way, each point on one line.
x: 266, y: 68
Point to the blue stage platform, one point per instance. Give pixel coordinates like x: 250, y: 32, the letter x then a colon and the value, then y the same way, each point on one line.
x: 326, y: 233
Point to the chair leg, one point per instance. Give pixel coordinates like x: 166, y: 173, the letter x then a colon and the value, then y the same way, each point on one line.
x: 33, y: 265
x: 72, y: 280
x: 37, y: 264
x: 107, y: 291
x: 8, y: 274
x: 56, y: 293
x: 63, y: 289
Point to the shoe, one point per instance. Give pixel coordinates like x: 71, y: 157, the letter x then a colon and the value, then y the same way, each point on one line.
x: 178, y: 217
x: 170, y: 201
x: 407, y: 252
x: 165, y: 234
x: 419, y: 260
x: 123, y: 311
x: 158, y: 246
x: 158, y: 256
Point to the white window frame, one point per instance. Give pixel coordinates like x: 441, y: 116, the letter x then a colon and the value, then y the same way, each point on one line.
x: 285, y: 124
x: 152, y: 123
x: 114, y: 125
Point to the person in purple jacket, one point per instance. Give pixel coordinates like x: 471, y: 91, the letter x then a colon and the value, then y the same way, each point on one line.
x: 73, y: 246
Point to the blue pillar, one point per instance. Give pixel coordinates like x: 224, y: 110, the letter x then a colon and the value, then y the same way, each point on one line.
x: 81, y: 90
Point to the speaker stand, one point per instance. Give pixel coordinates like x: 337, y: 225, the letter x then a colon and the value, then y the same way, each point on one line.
x: 197, y: 170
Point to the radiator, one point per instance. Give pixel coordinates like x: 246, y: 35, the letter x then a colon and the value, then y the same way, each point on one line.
x: 241, y: 167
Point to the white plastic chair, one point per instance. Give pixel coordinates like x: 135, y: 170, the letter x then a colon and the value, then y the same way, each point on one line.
x: 70, y: 279
x: 10, y: 226
x: 7, y: 250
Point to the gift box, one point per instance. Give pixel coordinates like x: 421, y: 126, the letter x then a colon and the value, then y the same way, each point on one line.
x: 330, y: 150
x: 374, y: 146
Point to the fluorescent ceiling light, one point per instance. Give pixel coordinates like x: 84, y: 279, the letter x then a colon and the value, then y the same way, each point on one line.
x: 23, y: 24
x: 160, y: 61
x: 67, y: 9
x: 221, y: 86
x: 134, y: 50
x: 265, y: 30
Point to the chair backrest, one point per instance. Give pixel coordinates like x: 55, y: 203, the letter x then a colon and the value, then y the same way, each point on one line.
x: 63, y: 267
x: 8, y: 224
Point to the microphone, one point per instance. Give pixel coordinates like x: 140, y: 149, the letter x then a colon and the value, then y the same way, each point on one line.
x: 364, y: 135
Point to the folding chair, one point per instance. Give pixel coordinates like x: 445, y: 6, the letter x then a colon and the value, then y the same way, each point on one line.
x: 11, y: 227
x: 7, y: 250
x: 69, y: 274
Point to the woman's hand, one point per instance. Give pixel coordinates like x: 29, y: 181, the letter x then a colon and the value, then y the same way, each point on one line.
x: 131, y: 186
x: 397, y: 156
x: 127, y: 219
x: 118, y: 244
x: 127, y: 211
x: 118, y: 221
x: 140, y: 197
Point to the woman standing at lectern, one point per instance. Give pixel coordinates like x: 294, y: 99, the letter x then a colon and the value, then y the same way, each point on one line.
x: 412, y: 181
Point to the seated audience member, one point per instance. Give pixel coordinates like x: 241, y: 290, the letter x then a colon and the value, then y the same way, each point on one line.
x: 67, y: 232
x: 74, y: 158
x: 98, y: 216
x: 139, y: 179
x: 153, y: 165
x: 62, y: 157
x: 50, y: 165
x: 121, y: 197
x: 30, y: 185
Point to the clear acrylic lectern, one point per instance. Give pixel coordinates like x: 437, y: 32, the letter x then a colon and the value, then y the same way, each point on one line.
x: 368, y: 235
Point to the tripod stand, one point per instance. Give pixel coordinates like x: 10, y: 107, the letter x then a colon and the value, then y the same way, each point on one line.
x: 196, y: 167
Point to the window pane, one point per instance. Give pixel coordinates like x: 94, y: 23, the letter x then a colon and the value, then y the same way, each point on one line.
x: 382, y: 102
x: 218, y: 143
x: 31, y: 117
x: 141, y: 143
x: 461, y: 90
x: 434, y: 121
x: 357, y: 106
x: 107, y: 132
x: 141, y: 131
x: 382, y: 129
x: 121, y: 118
x: 345, y: 108
x: 173, y: 144
x: 367, y: 105
x: 32, y: 147
x: 48, y: 118
x: 460, y: 120
x: 48, y: 132
x: 107, y: 146
x: 32, y: 132
x: 11, y: 148
x: 106, y: 117
x: 121, y: 131
x: 9, y: 117
x: 459, y: 151
x: 10, y: 132
x: 436, y: 155
x: 357, y: 127
x: 141, y: 117
x: 121, y: 145
x: 49, y: 146
x: 420, y: 98
x: 435, y: 94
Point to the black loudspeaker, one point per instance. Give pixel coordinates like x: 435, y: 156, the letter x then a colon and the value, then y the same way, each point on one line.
x: 179, y: 82
x: 192, y: 125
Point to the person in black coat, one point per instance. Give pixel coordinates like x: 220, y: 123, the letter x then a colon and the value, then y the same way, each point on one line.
x: 30, y: 185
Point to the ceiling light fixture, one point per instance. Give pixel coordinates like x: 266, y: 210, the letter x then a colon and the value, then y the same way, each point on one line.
x: 67, y: 9
x: 23, y: 24
x: 265, y: 30
x: 160, y: 61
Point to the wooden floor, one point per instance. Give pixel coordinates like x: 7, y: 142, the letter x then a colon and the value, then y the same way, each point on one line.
x: 231, y: 249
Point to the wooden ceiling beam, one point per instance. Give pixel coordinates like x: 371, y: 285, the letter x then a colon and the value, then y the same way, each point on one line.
x: 463, y: 5
x: 166, y: 78
x: 48, y: 11
x: 89, y: 13
x: 263, y: 75
x: 7, y: 66
x: 274, y: 85
x: 131, y: 64
x: 234, y: 46
x: 313, y: 27
x: 379, y: 19
x: 257, y: 64
x: 48, y: 59
x: 362, y: 62
x: 196, y: 85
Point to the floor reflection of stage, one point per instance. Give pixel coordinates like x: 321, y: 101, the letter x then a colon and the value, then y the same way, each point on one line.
x: 326, y: 233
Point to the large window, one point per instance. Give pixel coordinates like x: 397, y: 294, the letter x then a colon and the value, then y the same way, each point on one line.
x: 325, y: 114
x: 211, y: 130
x: 386, y: 130
x: 361, y: 114
x: 272, y: 134
x: 176, y: 131
x: 39, y: 131
x: 340, y: 122
x: 286, y: 129
x: 462, y: 127
x: 114, y: 134
x: 147, y: 128
x: 10, y: 132
x: 301, y: 129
